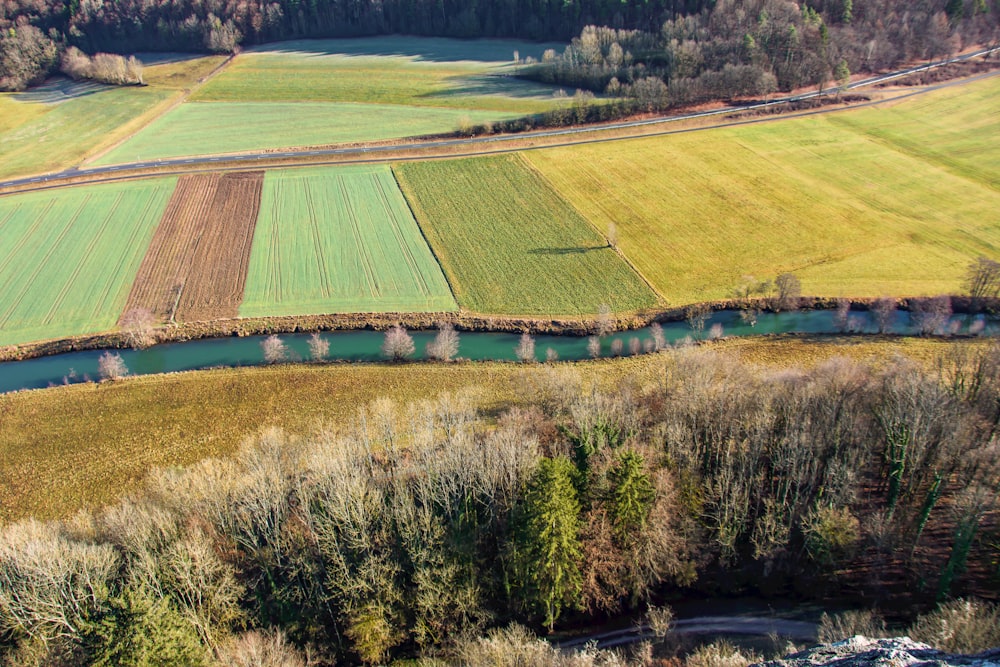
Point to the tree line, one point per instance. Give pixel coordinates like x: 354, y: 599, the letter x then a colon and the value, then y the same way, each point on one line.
x: 411, y: 526
x: 737, y: 48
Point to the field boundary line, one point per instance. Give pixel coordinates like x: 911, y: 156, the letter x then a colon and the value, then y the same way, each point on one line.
x: 404, y: 248
x: 530, y: 167
x: 359, y: 241
x: 423, y: 235
x: 57, y: 302
x: 147, y: 118
x: 124, y: 257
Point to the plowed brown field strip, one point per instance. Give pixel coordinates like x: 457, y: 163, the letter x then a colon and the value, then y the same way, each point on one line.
x: 196, y: 266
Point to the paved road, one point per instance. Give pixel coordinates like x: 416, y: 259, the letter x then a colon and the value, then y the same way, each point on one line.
x: 702, y: 625
x: 309, y: 156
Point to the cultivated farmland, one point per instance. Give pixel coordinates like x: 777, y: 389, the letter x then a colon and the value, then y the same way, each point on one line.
x: 340, y: 240
x: 850, y: 214
x: 510, y: 245
x: 68, y: 258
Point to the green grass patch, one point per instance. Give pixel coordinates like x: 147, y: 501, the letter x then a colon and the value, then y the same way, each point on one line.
x: 849, y: 213
x: 64, y: 133
x: 339, y: 240
x: 202, y: 128
x: 510, y: 245
x: 14, y: 113
x: 956, y: 128
x: 410, y: 71
x: 68, y: 257
x: 182, y: 73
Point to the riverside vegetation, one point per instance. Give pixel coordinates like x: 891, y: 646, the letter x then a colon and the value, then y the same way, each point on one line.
x: 399, y: 531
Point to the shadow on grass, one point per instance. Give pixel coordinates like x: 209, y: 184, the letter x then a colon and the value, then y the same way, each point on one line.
x: 60, y: 89
x: 566, y: 251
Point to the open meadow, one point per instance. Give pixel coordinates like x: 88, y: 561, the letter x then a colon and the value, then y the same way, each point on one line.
x: 68, y: 257
x: 339, y: 240
x: 827, y: 197
x: 65, y: 448
x: 59, y: 124
x: 511, y: 245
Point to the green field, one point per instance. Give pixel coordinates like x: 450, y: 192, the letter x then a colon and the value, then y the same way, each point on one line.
x: 57, y: 136
x: 849, y: 213
x: 410, y: 71
x: 68, y: 258
x: 203, y: 128
x: 59, y: 124
x: 339, y: 240
x: 510, y: 245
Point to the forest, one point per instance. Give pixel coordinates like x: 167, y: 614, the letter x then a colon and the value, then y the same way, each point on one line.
x: 685, y: 49
x: 412, y: 528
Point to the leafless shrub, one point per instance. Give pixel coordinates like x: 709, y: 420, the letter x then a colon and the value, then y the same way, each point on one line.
x: 660, y: 620
x: 960, y: 626
x: 275, y: 350
x: 110, y: 366
x: 139, y: 327
x: 842, y: 314
x: 515, y: 646
x: 882, y: 311
x: 525, y: 350
x: 604, y: 324
x: 259, y: 649
x: 836, y: 627
x: 749, y: 315
x: 551, y: 355
x: 648, y: 346
x: 750, y: 287
x: 444, y: 347
x: 397, y: 344
x: 656, y: 333
x: 634, y: 346
x: 931, y: 315
x: 104, y: 67
x: 594, y: 347
x: 616, y: 347
x: 715, y: 331
x: 319, y: 347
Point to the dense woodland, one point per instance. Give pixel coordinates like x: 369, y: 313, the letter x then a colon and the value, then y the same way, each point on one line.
x: 413, y: 526
x: 676, y: 50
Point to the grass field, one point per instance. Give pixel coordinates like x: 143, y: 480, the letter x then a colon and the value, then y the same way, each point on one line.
x: 410, y: 71
x: 849, y: 213
x: 84, y: 445
x: 57, y: 125
x: 339, y: 240
x: 68, y: 258
x: 201, y: 128
x: 510, y: 245
x: 955, y: 128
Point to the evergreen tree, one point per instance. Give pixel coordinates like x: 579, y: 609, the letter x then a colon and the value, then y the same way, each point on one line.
x: 547, y: 548
x: 632, y: 495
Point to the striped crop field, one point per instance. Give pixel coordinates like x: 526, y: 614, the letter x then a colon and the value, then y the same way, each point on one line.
x: 511, y: 245
x: 845, y: 201
x: 341, y: 239
x: 68, y: 258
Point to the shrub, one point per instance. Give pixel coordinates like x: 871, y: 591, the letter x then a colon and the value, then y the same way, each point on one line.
x: 111, y: 366
x: 275, y: 350
x: 720, y: 654
x: 960, y: 626
x: 831, y: 534
x: 319, y: 347
x: 398, y: 344
x: 444, y: 347
x: 833, y: 628
x: 525, y: 350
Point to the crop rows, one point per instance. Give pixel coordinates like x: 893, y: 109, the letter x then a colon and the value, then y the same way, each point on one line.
x: 339, y: 240
x: 510, y: 245
x: 67, y: 259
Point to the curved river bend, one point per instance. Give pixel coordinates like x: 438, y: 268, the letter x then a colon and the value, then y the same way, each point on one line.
x: 365, y: 346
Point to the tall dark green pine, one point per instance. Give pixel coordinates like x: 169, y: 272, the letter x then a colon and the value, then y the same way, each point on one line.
x: 546, y: 559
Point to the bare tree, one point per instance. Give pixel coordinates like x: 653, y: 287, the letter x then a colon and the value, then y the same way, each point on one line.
x: 111, y: 366
x: 525, y: 350
x: 616, y: 347
x: 656, y: 333
x: 594, y: 347
x: 139, y: 327
x: 444, y: 347
x: 842, y: 316
x: 715, y: 331
x: 275, y: 350
x: 982, y: 279
x: 398, y: 344
x: 634, y: 346
x: 882, y: 311
x: 551, y: 355
x: 789, y: 292
x: 697, y: 314
x: 319, y: 347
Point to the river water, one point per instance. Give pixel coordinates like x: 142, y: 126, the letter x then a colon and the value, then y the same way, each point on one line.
x: 365, y: 346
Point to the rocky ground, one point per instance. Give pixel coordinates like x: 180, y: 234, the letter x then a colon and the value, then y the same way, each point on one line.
x: 897, y: 652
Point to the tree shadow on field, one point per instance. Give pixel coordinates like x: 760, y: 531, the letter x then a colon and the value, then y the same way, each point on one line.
x: 579, y: 250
